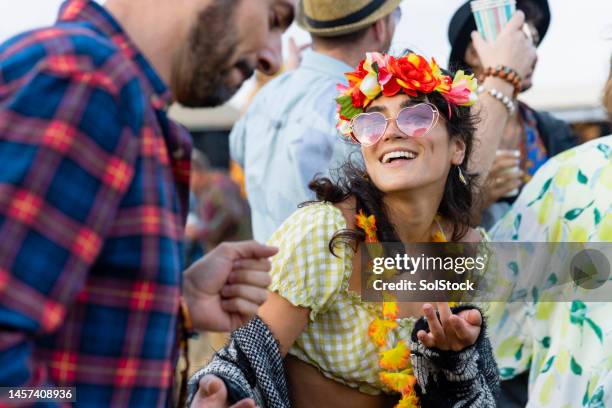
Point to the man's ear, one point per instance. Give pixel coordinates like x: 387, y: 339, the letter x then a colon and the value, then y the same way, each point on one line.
x: 458, y: 153
x: 380, y: 27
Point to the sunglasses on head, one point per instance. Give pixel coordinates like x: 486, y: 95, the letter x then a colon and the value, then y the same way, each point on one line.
x: 414, y: 121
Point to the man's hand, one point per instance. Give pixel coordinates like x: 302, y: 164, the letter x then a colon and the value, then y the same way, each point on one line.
x: 511, y: 48
x: 451, y: 331
x: 212, y: 393
x: 224, y: 289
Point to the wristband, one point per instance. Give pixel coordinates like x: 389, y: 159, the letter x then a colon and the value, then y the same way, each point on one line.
x: 507, y: 74
x: 504, y: 99
x: 185, y: 332
x: 186, y: 319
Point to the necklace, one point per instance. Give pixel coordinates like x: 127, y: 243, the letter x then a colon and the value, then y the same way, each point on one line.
x: 396, y: 370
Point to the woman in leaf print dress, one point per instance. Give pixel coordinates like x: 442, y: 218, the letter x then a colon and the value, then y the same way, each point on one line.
x: 565, y: 347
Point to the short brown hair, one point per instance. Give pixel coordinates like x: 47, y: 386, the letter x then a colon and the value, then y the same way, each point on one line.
x: 341, y: 40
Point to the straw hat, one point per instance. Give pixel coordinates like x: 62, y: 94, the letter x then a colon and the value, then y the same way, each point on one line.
x: 462, y: 24
x: 329, y: 18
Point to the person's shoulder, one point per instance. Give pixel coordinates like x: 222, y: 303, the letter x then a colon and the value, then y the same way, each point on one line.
x: 67, y: 49
x: 592, y: 153
x: 566, y: 185
x: 318, y: 211
x: 315, y: 220
x: 46, y: 62
x: 273, y: 88
x: 60, y: 39
x: 299, y: 86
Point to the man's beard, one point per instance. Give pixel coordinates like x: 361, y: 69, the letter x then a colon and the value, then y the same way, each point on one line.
x: 200, y: 70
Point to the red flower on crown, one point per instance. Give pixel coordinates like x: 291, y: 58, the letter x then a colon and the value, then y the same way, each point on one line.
x: 413, y: 74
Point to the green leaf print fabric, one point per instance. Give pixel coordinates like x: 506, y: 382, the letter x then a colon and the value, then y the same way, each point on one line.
x: 565, y: 346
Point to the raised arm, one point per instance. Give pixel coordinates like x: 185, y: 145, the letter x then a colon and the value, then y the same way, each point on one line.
x: 513, y: 49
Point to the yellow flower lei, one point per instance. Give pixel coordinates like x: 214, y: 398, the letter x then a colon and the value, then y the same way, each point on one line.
x: 396, y: 369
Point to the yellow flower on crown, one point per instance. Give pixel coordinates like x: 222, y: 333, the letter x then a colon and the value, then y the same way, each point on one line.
x: 369, y: 85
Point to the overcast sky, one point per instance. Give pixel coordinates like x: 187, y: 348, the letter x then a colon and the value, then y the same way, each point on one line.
x: 573, y: 59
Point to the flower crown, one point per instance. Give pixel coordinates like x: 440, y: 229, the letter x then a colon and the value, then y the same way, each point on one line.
x: 382, y: 74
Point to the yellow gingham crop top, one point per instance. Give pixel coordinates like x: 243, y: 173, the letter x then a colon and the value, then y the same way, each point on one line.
x: 306, y: 274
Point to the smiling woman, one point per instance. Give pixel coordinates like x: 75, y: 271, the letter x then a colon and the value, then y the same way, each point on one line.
x: 415, y: 143
x: 417, y: 154
x: 415, y: 128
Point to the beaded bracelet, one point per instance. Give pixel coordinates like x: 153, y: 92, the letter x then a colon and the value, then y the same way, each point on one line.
x: 508, y: 103
x: 507, y: 74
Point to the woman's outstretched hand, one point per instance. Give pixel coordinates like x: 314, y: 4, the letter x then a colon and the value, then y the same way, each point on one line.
x: 450, y: 331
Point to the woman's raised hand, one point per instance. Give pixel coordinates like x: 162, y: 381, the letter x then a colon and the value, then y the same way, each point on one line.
x: 450, y: 331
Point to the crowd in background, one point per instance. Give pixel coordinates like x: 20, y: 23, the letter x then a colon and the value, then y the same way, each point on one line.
x: 125, y: 241
x: 287, y: 137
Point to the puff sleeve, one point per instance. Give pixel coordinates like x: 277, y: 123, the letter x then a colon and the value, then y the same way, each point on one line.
x: 304, y: 271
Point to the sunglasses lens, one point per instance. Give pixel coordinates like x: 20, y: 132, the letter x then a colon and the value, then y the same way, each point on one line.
x: 416, y: 120
x: 369, y: 127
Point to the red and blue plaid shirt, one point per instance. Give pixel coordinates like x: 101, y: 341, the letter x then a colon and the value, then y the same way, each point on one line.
x: 94, y: 182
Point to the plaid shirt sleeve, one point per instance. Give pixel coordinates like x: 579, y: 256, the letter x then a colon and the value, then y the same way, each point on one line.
x: 66, y: 161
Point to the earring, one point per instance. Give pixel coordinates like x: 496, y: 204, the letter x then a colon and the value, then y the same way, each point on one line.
x: 461, y: 176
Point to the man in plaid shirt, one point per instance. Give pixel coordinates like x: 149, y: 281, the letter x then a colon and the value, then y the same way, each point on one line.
x: 94, y: 186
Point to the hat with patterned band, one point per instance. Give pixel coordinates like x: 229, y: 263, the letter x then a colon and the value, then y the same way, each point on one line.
x: 330, y: 18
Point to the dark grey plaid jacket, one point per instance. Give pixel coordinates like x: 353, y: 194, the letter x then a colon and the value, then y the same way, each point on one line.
x: 251, y: 367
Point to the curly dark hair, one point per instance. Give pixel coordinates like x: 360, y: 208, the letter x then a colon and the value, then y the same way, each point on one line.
x: 458, y: 198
